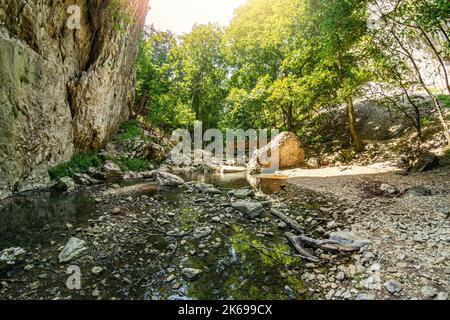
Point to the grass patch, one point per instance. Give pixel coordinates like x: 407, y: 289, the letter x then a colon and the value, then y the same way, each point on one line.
x: 78, y: 164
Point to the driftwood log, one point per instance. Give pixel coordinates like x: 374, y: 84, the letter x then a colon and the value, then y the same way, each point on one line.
x: 299, y: 242
x: 291, y: 222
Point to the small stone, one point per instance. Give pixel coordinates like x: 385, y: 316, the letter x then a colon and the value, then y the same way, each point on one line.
x: 442, y: 296
x: 393, y: 286
x: 340, y: 276
x: 97, y: 270
x: 351, y: 271
x: 29, y: 267
x: 191, y: 274
x: 428, y: 292
x: 116, y: 211
x: 365, y: 297
x: 330, y: 295
x: 282, y: 225
x: 216, y: 219
x: 171, y: 278
x: 177, y: 286
x: 95, y: 293
x: 331, y: 225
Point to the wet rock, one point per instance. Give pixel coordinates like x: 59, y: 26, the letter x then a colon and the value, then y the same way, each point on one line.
x: 65, y: 184
x: 74, y: 248
x: 10, y: 257
x: 252, y: 209
x: 241, y: 193
x: 167, y: 179
x: 191, y: 274
x: 393, y: 286
x: 425, y: 162
x: 202, y: 188
x: 288, y: 148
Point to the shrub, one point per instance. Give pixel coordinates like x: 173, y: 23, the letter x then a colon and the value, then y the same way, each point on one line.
x: 445, y: 100
x: 136, y: 165
x: 131, y: 130
x: 78, y: 164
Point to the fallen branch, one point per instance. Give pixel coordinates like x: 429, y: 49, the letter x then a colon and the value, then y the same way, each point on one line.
x: 298, y: 245
x: 329, y: 245
x: 291, y: 222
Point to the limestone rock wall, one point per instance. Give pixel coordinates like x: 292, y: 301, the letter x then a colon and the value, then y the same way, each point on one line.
x: 62, y: 90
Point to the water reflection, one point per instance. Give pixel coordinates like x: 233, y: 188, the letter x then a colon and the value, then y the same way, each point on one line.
x: 34, y: 219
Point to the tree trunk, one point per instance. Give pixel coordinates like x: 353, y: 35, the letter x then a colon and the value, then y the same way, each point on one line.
x: 437, y: 105
x: 352, y: 126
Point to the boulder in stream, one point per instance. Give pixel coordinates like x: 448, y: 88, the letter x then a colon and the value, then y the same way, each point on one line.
x: 252, y: 209
x: 289, y: 151
x: 166, y: 179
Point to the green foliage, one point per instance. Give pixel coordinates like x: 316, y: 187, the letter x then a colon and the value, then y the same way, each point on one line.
x: 131, y: 130
x: 136, y: 165
x: 78, y: 164
x: 120, y: 16
x: 445, y: 100
x: 279, y: 64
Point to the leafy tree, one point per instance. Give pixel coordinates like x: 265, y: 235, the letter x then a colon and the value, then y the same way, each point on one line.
x: 201, y: 72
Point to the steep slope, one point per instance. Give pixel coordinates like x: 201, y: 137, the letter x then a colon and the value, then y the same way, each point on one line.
x: 62, y: 90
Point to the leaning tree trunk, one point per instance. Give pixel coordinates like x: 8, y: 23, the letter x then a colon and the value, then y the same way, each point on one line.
x: 356, y: 139
x: 437, y: 106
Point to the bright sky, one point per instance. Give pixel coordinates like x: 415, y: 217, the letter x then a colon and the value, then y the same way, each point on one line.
x: 179, y: 16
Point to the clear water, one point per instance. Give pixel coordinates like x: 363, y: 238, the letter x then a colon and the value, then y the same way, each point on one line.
x: 241, y: 259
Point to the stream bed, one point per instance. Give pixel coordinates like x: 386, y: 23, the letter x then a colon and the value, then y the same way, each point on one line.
x: 147, y: 245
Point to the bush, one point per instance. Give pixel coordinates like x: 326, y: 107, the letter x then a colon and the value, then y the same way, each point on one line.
x: 131, y: 130
x: 136, y: 165
x: 445, y: 100
x: 78, y: 164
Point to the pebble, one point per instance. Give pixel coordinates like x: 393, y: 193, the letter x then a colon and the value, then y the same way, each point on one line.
x: 393, y: 286
x: 171, y: 278
x: 191, y: 274
x: 365, y: 296
x: 97, y: 270
x: 428, y: 292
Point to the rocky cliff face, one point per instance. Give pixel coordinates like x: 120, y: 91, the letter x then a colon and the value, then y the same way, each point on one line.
x: 62, y: 90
